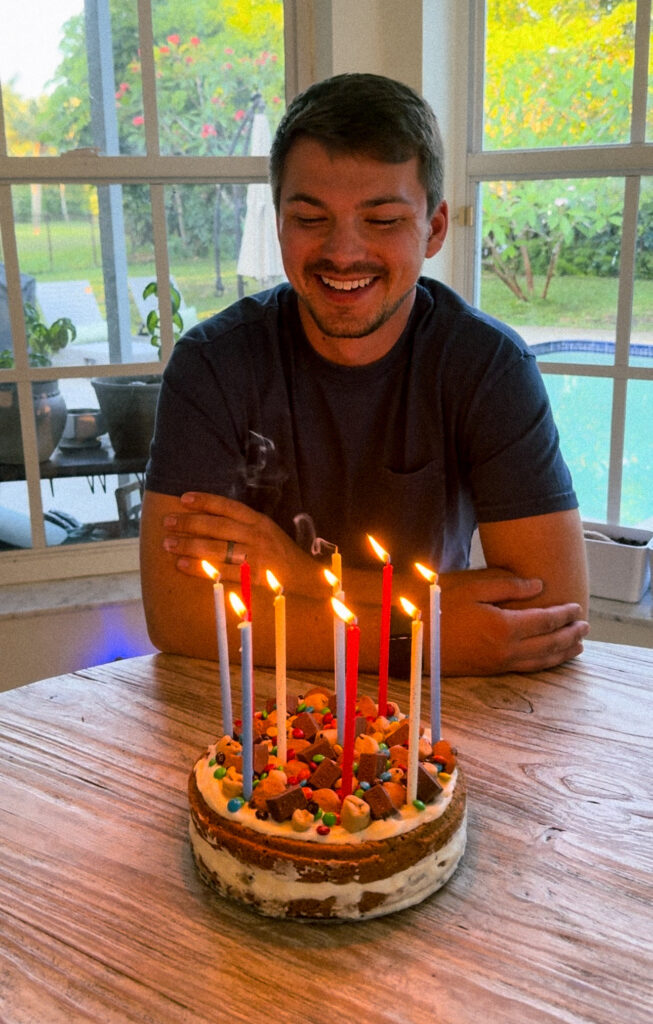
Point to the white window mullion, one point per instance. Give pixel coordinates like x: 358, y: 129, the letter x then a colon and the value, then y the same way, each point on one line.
x: 641, y: 71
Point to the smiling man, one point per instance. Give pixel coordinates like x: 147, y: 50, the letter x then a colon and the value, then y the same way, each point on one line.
x: 362, y: 398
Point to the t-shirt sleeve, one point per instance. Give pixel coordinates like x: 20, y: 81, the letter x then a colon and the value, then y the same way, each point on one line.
x: 197, y: 442
x: 517, y: 469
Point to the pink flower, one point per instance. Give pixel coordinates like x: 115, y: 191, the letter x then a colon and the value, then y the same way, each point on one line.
x: 164, y: 49
x: 138, y: 120
x: 239, y: 115
x: 189, y: 60
x: 228, y: 49
x: 276, y: 99
x: 194, y: 41
x: 227, y: 67
x: 173, y: 39
x: 207, y: 130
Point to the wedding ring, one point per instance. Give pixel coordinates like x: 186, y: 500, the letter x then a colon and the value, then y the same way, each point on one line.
x: 229, y: 557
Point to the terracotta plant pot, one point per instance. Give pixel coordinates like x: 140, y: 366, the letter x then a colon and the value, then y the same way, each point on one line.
x: 50, y: 414
x: 128, y: 405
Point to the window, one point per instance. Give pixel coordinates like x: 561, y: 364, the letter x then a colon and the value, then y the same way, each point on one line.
x: 132, y: 137
x: 560, y: 176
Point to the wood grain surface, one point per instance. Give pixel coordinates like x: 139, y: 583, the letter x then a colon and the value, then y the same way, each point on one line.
x: 548, y: 918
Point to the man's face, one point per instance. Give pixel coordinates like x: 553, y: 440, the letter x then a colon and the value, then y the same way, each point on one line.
x: 354, y: 232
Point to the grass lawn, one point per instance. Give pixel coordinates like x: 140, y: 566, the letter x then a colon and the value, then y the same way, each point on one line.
x: 572, y: 301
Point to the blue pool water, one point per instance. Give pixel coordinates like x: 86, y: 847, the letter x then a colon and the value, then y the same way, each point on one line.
x: 582, y: 408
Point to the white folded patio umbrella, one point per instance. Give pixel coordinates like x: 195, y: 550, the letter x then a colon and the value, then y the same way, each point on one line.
x: 260, y: 256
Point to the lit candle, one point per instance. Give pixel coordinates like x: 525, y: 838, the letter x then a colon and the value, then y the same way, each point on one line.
x: 386, y: 602
x: 434, y: 650
x: 280, y: 657
x: 416, y: 652
x: 247, y: 684
x: 246, y: 586
x: 338, y: 654
x: 353, y: 644
x: 223, y: 647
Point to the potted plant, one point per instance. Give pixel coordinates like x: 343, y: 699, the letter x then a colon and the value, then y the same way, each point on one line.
x: 129, y: 403
x: 43, y: 341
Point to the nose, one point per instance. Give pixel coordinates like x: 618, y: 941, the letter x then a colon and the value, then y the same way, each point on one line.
x: 343, y: 243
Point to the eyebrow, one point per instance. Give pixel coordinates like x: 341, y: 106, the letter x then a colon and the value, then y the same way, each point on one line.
x: 305, y: 197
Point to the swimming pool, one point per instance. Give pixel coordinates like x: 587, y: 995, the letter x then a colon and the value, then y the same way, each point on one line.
x: 582, y: 407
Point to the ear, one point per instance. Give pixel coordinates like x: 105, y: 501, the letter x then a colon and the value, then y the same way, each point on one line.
x: 439, y: 225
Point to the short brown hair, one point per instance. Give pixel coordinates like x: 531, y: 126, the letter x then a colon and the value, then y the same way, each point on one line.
x: 367, y: 114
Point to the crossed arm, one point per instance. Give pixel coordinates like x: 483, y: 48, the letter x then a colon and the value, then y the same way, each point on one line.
x: 526, y: 611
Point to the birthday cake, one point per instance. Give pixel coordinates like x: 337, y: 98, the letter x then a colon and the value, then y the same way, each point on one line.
x: 299, y: 847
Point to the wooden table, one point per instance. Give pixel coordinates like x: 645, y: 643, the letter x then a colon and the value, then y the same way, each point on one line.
x: 548, y: 918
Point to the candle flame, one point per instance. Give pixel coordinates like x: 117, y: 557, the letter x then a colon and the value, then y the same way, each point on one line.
x: 342, y: 611
x: 211, y: 571
x: 378, y: 550
x: 237, y: 605
x: 273, y: 582
x: 331, y: 578
x: 428, y: 574
x: 410, y: 608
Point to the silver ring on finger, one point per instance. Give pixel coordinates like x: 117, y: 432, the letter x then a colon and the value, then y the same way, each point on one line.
x: 229, y: 557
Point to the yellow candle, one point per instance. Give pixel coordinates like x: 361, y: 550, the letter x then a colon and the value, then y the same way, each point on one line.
x: 280, y: 656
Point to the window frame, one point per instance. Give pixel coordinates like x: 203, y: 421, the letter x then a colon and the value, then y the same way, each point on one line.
x: 41, y: 562
x: 631, y: 161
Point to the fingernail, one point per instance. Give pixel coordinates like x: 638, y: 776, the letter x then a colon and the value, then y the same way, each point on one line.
x: 171, y: 543
x: 187, y: 499
x: 183, y: 563
x: 170, y: 521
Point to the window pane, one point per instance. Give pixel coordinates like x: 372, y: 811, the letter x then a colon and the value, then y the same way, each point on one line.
x: 215, y: 64
x: 637, y: 496
x: 642, y: 334
x: 582, y: 409
x: 550, y: 257
x: 558, y: 74
x: 49, y: 53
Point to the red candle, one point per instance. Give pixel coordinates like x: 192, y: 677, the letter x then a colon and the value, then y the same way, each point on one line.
x: 386, y: 604
x: 351, y: 693
x: 246, y: 587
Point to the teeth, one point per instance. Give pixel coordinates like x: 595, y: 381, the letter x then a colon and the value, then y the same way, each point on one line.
x: 347, y: 286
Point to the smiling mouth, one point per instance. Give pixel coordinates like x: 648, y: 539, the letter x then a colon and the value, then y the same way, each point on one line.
x: 346, y: 286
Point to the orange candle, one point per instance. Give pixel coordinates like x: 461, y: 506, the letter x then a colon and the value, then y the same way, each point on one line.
x: 386, y: 604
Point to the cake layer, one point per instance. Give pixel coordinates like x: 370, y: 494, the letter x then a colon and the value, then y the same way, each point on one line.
x: 283, y: 875
x: 279, y: 892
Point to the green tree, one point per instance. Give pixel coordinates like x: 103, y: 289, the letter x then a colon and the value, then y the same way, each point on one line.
x: 556, y: 74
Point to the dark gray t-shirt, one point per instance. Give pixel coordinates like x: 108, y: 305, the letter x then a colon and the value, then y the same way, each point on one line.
x: 450, y: 428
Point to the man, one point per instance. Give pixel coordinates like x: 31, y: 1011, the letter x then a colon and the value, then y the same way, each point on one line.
x: 360, y: 398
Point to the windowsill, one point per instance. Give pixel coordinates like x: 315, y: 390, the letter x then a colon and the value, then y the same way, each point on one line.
x: 623, y: 611
x: 50, y: 596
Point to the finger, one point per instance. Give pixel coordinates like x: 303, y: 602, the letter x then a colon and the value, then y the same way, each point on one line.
x: 542, y: 622
x: 218, y: 552
x: 547, y: 650
x: 202, y: 525
x: 218, y: 505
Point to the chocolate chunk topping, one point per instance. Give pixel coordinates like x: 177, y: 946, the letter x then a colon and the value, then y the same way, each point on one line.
x: 282, y: 806
x: 380, y: 804
x: 428, y: 786
x: 320, y: 747
x: 325, y: 775
x: 370, y: 766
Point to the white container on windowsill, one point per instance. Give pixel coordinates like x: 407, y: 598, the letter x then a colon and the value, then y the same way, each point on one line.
x: 618, y: 570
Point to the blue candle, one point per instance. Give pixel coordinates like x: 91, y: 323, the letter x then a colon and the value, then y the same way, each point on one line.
x: 247, y: 686
x: 223, y: 648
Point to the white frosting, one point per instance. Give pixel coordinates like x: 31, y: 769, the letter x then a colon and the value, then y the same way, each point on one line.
x: 271, y: 890
x: 407, y: 818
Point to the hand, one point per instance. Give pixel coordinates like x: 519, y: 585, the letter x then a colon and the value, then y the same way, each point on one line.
x: 226, y: 532
x: 481, y: 636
